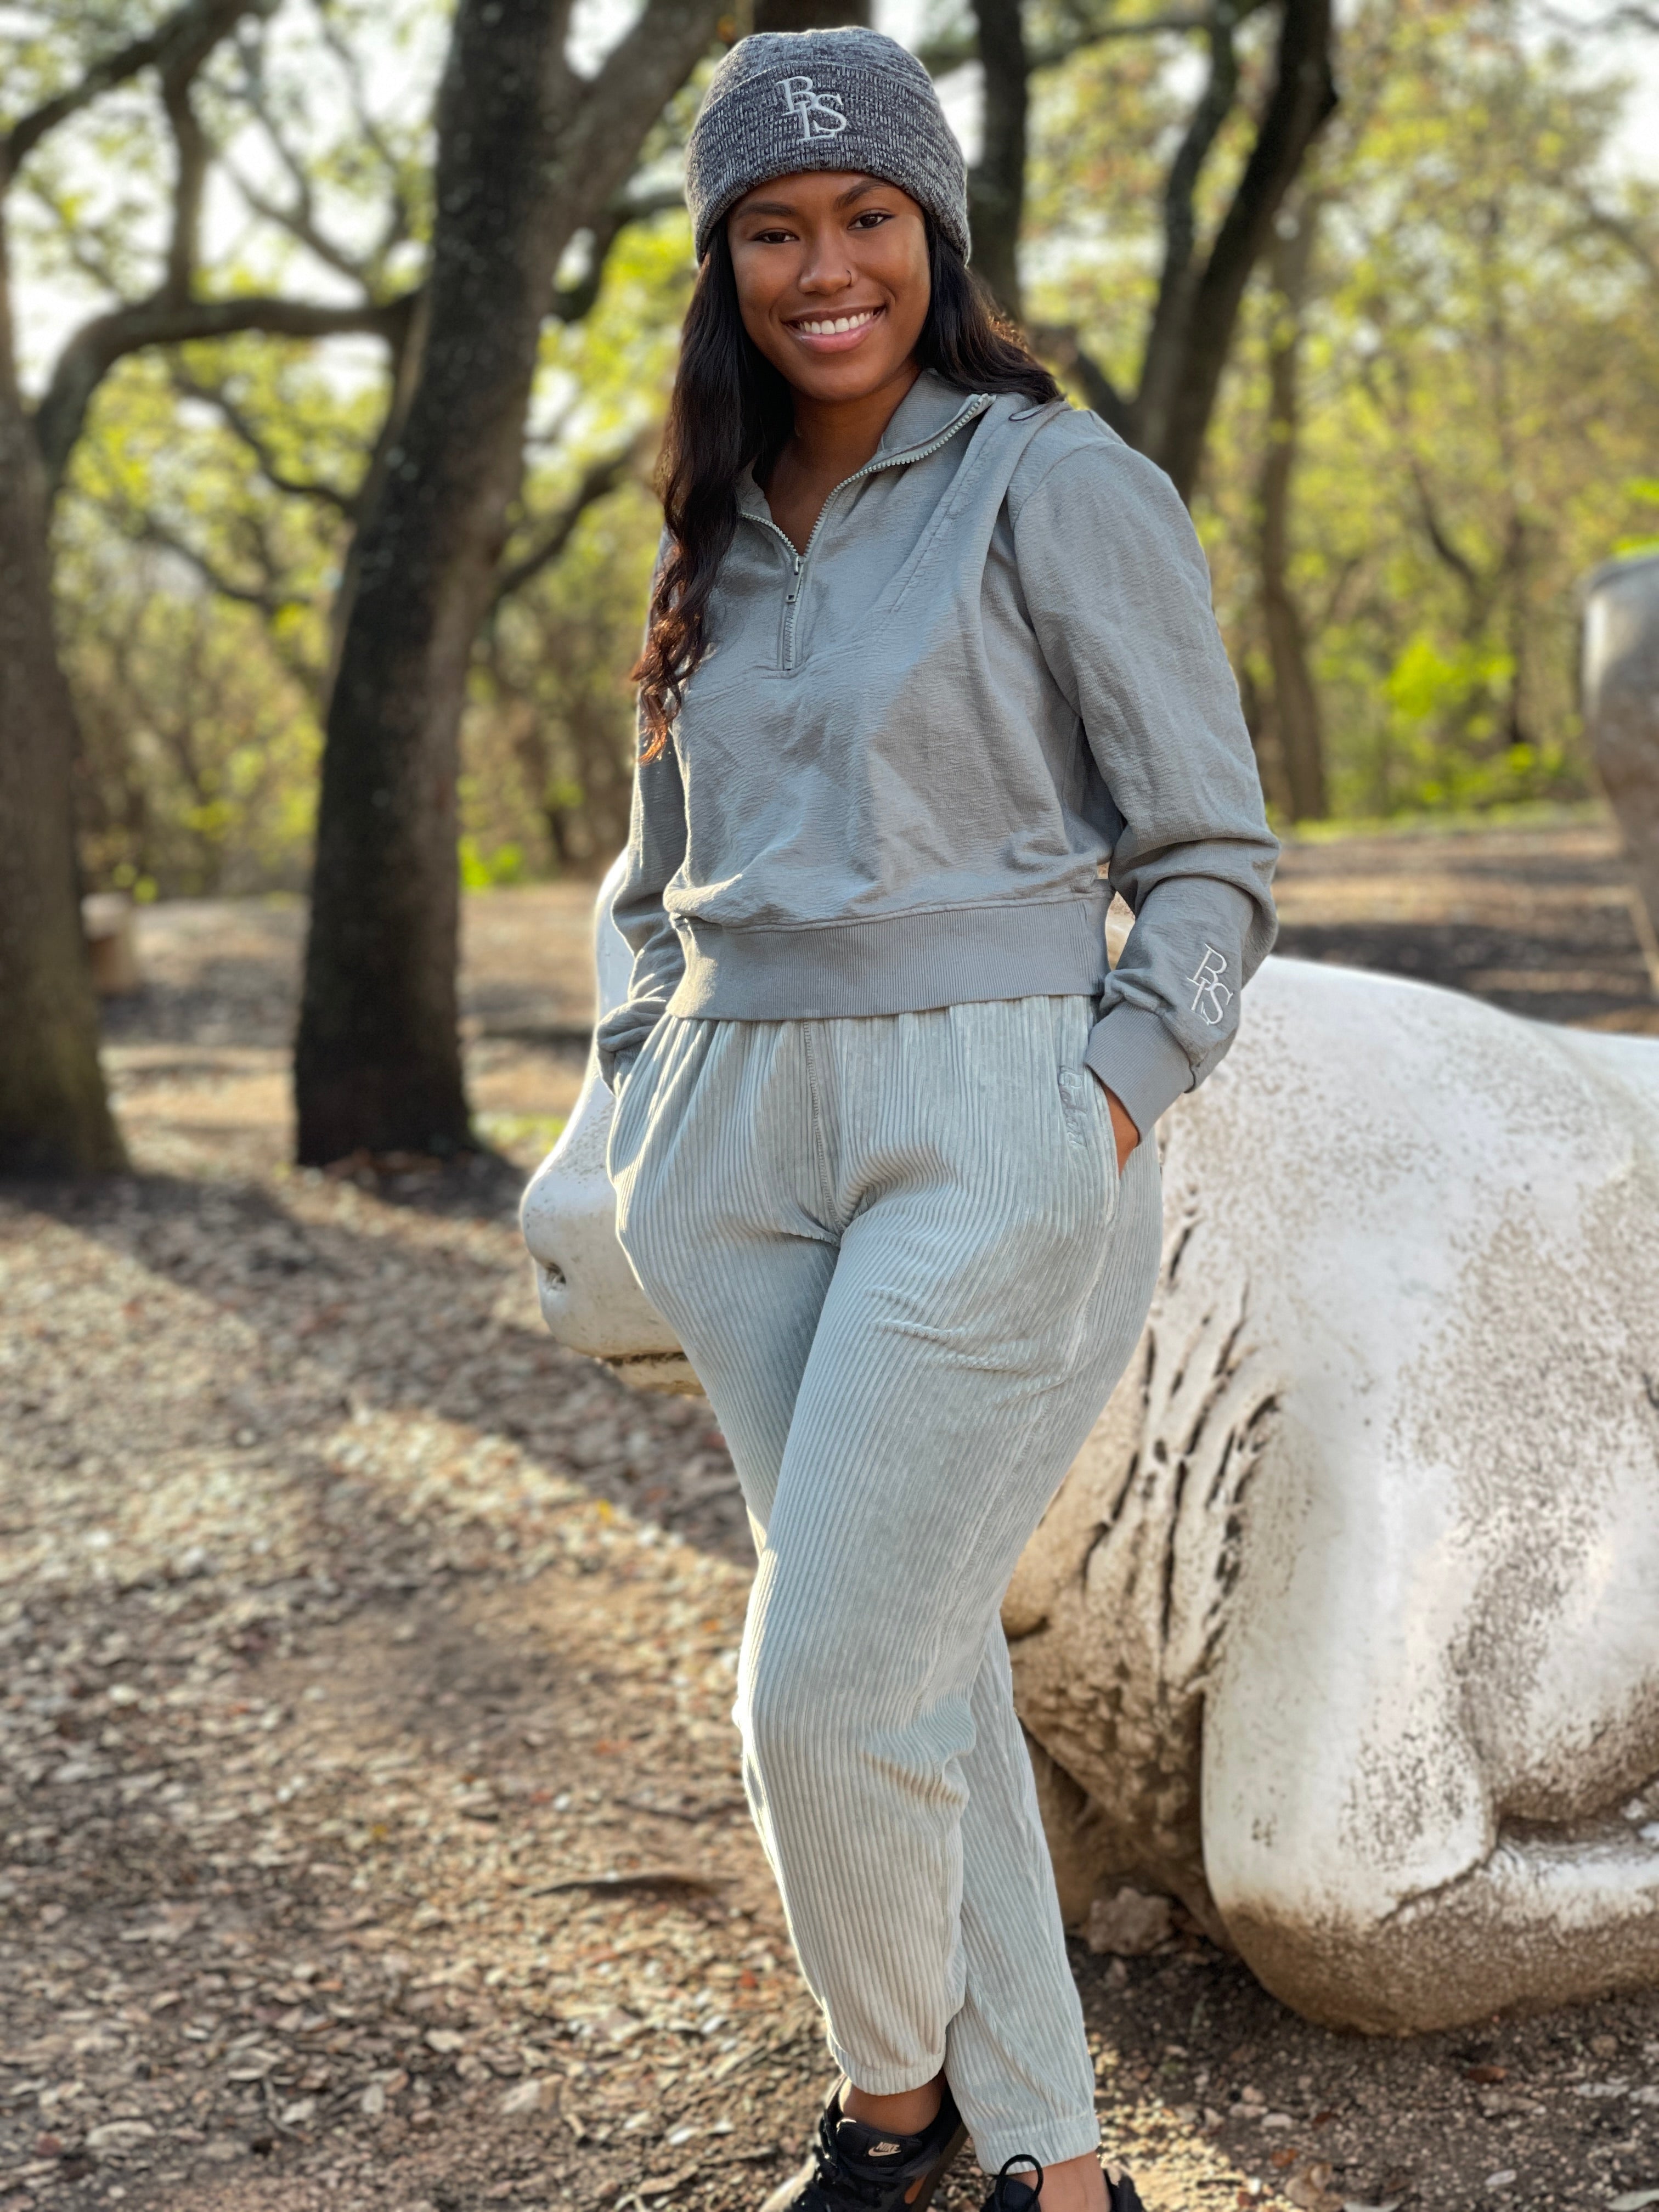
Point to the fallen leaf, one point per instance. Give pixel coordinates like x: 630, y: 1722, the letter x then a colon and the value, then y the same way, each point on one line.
x: 119, y: 2135
x: 648, y: 1878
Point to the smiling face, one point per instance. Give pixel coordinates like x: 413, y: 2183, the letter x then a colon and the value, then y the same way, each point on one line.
x: 832, y: 279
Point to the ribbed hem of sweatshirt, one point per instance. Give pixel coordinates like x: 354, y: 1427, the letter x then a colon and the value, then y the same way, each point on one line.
x: 901, y: 964
x: 1135, y: 1056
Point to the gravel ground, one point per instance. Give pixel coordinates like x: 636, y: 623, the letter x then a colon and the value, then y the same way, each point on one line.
x: 370, y: 1831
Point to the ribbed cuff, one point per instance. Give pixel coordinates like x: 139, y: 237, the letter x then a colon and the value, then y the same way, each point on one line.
x: 614, y: 1066
x: 1051, y: 2141
x: 1133, y: 1055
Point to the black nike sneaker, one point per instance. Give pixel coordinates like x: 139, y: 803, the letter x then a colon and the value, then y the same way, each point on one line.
x: 855, y: 2169
x: 1012, y: 2192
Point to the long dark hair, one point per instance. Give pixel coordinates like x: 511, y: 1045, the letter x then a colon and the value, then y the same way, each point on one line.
x: 732, y: 408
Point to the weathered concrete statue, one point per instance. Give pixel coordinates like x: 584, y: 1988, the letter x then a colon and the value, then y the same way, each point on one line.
x: 1619, y: 687
x: 1343, y: 1628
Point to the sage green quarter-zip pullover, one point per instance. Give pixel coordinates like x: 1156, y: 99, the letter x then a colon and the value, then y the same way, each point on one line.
x: 920, y: 756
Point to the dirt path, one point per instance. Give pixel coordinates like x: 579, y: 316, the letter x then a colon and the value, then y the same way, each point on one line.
x: 370, y: 1832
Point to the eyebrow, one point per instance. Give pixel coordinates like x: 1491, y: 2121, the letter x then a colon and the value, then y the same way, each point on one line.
x: 787, y: 207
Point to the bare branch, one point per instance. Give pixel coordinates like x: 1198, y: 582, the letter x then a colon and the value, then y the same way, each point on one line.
x: 1596, y: 217
x: 1058, y: 51
x: 1438, y: 537
x: 298, y: 220
x: 399, y: 218
x: 216, y: 396
x: 97, y: 345
x: 149, y: 532
x: 572, y: 302
x: 299, y: 216
x: 600, y: 478
x: 183, y: 42
x: 1059, y: 344
x: 954, y: 51
x: 190, y: 179
x: 1630, y: 16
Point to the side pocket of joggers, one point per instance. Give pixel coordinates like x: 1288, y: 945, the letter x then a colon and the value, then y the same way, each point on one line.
x: 622, y: 1139
x: 1088, y: 1119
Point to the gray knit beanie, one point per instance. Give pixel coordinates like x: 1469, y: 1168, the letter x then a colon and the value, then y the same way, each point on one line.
x: 786, y: 100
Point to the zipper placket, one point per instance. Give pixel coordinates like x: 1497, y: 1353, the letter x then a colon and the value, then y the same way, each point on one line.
x: 975, y: 407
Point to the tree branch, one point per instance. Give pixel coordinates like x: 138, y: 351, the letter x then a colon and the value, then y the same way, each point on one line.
x: 1440, y: 539
x: 190, y: 179
x: 1059, y: 344
x: 299, y: 218
x: 399, y: 222
x: 219, y: 399
x: 98, y: 345
x: 572, y: 303
x: 600, y: 478
x: 150, y: 531
x: 1596, y: 217
x: 183, y: 42
x: 1304, y: 95
x: 955, y: 50
x: 1166, y: 341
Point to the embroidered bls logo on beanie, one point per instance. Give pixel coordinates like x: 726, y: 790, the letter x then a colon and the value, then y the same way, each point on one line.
x: 785, y: 101
x: 821, y: 113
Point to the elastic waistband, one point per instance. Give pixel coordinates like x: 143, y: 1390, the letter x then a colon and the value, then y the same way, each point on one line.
x: 895, y: 965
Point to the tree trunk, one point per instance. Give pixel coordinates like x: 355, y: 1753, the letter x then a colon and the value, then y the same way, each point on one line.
x: 1190, y: 334
x: 1302, y: 96
x: 996, y: 184
x: 1296, y: 699
x: 529, y: 154
x: 54, y: 1114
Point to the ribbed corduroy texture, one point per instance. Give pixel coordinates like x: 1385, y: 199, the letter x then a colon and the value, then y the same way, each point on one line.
x: 897, y: 1252
x: 782, y: 101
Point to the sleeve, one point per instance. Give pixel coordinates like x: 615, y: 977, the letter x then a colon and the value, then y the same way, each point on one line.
x: 1118, y: 592
x: 656, y: 846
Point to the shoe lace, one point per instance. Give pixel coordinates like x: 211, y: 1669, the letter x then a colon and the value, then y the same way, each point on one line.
x: 833, y: 2188
x: 999, y: 2200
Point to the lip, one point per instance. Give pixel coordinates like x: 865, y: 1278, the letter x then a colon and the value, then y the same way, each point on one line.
x: 834, y: 341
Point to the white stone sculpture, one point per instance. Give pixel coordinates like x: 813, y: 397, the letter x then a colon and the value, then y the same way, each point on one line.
x: 1343, y: 1628
x: 1620, y: 684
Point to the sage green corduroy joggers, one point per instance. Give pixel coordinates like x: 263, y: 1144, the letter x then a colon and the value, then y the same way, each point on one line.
x: 896, y: 1251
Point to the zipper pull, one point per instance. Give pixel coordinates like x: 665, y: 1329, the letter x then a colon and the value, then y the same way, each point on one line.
x: 801, y: 562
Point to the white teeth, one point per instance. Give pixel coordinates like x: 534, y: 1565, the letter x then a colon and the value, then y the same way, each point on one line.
x: 825, y: 330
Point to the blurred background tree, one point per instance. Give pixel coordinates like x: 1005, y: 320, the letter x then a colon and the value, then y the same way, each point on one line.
x: 1419, y: 396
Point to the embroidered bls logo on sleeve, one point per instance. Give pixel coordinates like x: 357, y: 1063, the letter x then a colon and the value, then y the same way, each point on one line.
x: 820, y: 113
x: 1211, y: 996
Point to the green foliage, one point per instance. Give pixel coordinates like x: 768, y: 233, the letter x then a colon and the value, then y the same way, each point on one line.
x: 199, y: 751
x: 1480, y: 369
x: 1480, y: 361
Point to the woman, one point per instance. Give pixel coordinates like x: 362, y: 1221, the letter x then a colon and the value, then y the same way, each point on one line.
x: 930, y: 670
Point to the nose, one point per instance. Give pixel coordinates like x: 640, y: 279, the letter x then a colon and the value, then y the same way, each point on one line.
x: 825, y: 267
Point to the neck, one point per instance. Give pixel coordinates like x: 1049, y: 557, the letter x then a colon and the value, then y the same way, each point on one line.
x: 834, y: 437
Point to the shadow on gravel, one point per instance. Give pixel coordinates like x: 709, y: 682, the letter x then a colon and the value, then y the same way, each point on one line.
x: 409, y: 1290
